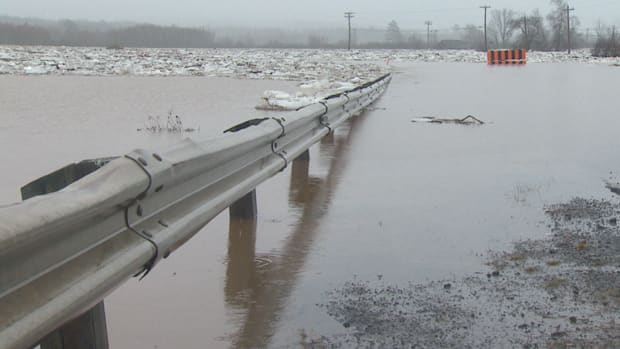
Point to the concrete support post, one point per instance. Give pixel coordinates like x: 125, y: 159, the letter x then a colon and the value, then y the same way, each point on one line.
x: 244, y: 208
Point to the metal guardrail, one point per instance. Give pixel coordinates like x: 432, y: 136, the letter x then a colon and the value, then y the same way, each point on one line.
x: 62, y: 253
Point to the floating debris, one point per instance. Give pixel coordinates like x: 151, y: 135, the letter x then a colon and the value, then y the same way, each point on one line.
x: 172, y: 124
x: 613, y: 187
x: 282, y: 101
x: 468, y: 120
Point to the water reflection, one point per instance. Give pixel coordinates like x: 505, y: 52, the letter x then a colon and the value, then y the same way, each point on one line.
x: 262, y: 292
x: 241, y: 269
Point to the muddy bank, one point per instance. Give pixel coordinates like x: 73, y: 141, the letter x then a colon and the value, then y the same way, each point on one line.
x: 562, y: 291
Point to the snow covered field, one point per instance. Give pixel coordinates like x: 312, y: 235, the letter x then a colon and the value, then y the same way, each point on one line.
x: 320, y: 72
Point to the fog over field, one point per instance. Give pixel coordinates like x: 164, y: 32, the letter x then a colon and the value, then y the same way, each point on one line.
x: 533, y: 25
x: 308, y: 14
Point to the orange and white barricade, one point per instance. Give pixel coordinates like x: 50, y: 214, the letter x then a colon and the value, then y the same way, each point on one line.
x: 506, y: 56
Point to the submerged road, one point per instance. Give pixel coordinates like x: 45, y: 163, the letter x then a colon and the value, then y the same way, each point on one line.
x: 384, y: 203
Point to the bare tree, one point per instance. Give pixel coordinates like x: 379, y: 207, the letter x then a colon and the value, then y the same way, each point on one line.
x: 502, y: 26
x: 539, y: 38
x: 558, y: 25
x: 473, y: 36
x: 317, y: 41
x: 413, y: 41
x: 393, y: 34
x: 532, y: 32
x: 607, y: 42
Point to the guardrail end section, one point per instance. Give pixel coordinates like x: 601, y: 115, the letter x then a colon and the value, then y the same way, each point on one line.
x: 89, y: 330
x: 61, y: 178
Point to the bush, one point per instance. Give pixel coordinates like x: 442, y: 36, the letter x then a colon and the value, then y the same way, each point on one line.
x: 607, y: 45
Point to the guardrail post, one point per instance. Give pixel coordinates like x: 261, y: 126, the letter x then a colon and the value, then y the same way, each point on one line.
x: 244, y: 208
x: 299, y: 179
x: 89, y: 330
x: 328, y: 139
x: 305, y: 156
x: 241, y: 266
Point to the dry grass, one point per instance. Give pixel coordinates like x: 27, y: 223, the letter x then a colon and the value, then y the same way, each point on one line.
x: 555, y: 283
x: 518, y: 257
x: 582, y: 246
x: 532, y: 269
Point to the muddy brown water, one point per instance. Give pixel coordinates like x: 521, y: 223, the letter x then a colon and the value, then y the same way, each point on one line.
x: 384, y: 199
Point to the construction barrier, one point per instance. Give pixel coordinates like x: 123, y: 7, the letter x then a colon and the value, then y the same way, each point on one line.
x: 506, y: 56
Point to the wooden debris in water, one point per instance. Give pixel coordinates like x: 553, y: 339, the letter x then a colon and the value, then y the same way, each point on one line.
x: 468, y: 120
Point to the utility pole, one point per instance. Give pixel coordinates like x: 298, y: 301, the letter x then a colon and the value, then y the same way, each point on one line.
x: 527, y: 40
x: 485, y: 7
x: 348, y: 16
x: 568, y: 9
x: 428, y: 33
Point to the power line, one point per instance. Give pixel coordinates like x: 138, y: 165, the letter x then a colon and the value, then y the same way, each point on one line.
x: 428, y: 33
x: 568, y: 9
x: 454, y: 9
x: 348, y: 16
x: 485, y: 7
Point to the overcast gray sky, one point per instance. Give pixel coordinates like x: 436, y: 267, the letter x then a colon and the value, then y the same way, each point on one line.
x: 290, y: 13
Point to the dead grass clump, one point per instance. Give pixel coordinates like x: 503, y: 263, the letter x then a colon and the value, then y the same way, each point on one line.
x: 555, y: 283
x: 532, y: 269
x: 518, y: 257
x: 582, y: 246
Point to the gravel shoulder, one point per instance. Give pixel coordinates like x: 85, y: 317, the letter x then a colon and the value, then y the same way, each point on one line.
x: 562, y: 291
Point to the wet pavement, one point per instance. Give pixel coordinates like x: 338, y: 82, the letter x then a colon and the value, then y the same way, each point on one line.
x: 395, y: 233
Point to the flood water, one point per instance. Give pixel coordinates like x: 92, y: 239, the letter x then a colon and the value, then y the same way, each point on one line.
x: 383, y: 198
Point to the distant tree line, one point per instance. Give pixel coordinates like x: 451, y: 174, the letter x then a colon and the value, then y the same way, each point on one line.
x: 68, y: 33
x: 506, y: 29
x: 607, y: 42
